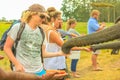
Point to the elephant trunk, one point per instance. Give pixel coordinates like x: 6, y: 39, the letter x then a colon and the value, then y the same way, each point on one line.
x: 105, y: 35
x: 112, y: 45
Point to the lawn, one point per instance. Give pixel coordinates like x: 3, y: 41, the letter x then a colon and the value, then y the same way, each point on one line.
x: 109, y: 63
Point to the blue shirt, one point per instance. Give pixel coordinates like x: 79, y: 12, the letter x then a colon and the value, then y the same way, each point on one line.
x: 93, y: 25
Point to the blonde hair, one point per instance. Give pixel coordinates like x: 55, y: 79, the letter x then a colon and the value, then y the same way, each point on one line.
x: 53, y: 14
x: 94, y: 12
x: 51, y: 9
x: 69, y: 22
x: 27, y: 15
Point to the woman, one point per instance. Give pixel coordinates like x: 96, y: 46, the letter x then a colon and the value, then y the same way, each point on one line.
x: 75, y: 53
x: 54, y: 42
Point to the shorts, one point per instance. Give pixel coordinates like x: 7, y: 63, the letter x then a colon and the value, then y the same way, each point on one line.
x: 96, y: 52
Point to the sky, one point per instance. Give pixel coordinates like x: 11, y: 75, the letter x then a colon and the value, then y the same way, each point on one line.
x: 12, y: 9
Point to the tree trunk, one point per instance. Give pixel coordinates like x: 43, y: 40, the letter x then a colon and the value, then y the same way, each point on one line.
x: 105, y: 35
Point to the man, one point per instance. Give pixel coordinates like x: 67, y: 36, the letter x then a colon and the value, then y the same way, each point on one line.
x: 30, y: 45
x: 93, y: 26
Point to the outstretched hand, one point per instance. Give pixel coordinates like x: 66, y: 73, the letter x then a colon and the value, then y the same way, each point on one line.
x: 54, y: 75
x: 87, y: 49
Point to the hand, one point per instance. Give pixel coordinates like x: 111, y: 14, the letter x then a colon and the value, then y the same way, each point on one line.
x: 54, y: 75
x: 103, y: 24
x: 19, y: 68
x: 61, y: 53
x: 1, y: 57
x: 87, y: 49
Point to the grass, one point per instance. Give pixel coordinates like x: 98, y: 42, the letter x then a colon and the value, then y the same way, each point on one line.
x: 109, y: 63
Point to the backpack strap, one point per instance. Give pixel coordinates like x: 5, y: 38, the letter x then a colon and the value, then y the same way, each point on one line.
x: 22, y: 26
x: 43, y: 35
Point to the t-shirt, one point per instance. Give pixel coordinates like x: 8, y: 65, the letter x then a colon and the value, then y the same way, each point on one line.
x: 76, y: 53
x: 74, y: 32
x: 93, y: 25
x: 28, y: 51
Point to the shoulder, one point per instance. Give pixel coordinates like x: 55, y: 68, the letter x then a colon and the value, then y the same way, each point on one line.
x: 16, y: 26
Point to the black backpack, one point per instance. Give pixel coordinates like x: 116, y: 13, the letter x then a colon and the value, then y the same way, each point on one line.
x: 22, y: 26
x: 4, y: 36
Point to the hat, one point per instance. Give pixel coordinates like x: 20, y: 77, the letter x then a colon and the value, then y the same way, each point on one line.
x: 38, y: 8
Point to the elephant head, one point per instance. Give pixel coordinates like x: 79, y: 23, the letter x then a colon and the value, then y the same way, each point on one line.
x: 105, y: 35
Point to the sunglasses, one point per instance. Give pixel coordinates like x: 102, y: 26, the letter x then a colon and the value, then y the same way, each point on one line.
x: 42, y: 16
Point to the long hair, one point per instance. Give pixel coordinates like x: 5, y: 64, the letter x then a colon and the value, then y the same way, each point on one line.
x: 28, y: 15
x: 69, y: 22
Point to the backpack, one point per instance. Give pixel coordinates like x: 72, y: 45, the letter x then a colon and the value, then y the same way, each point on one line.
x: 4, y: 36
x: 22, y: 26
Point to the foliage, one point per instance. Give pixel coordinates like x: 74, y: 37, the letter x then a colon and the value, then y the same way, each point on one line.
x: 80, y: 9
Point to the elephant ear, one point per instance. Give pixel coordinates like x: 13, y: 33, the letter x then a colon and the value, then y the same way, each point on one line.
x: 105, y: 35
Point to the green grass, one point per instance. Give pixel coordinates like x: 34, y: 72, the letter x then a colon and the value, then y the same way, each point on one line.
x: 109, y: 63
x: 3, y: 27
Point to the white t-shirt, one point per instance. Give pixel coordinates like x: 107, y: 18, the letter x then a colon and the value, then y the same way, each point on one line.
x: 28, y: 51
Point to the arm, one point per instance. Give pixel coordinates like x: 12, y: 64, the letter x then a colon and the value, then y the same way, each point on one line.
x: 73, y: 35
x: 8, y: 50
x: 56, y: 38
x: 102, y: 25
x: 51, y: 54
x: 27, y: 76
x: 81, y: 48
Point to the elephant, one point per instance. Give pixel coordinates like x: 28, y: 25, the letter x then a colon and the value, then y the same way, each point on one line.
x: 108, y: 34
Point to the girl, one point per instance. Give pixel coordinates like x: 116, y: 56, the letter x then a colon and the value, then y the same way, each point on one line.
x: 75, y: 53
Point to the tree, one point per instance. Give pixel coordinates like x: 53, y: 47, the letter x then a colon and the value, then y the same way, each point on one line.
x: 75, y: 9
x: 80, y: 9
x: 3, y: 19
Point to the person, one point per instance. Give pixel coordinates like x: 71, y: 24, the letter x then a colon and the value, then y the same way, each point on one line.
x: 93, y: 26
x: 54, y: 43
x: 12, y: 75
x: 75, y: 53
x: 30, y: 46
